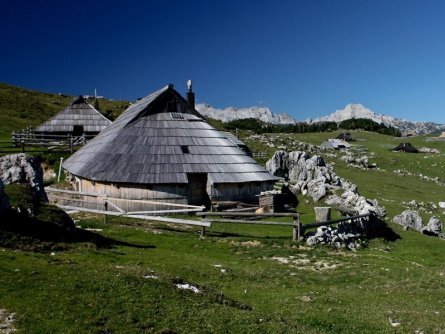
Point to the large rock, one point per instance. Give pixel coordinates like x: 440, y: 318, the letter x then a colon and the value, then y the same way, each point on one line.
x: 409, y: 220
x: 434, y: 226
x: 310, y: 175
x: 4, y: 202
x: 346, y: 234
x: 23, y: 168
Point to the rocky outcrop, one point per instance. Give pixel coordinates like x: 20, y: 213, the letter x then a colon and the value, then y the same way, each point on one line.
x: 7, y: 320
x: 348, y: 234
x: 429, y: 150
x: 23, y: 168
x: 278, y: 165
x: 428, y: 207
x: 353, y: 203
x: 361, y: 162
x: 410, y: 219
x: 434, y: 226
x: 310, y: 175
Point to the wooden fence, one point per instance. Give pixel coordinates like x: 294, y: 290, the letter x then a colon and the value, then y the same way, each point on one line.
x: 369, y: 217
x: 260, y: 155
x: 29, y: 141
x: 298, y: 229
x: 108, y: 206
x: 253, y: 218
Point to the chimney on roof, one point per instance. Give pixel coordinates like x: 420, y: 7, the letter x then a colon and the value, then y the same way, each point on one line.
x: 190, y: 95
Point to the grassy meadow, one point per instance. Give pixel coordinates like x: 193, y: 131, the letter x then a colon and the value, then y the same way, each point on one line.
x: 249, y: 280
x: 134, y: 276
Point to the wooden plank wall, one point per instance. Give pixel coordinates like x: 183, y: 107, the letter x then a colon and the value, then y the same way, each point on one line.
x: 168, y: 193
x: 246, y: 192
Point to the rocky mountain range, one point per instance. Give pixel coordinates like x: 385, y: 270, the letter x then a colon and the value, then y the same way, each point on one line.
x: 349, y: 112
x: 359, y: 111
x: 232, y: 113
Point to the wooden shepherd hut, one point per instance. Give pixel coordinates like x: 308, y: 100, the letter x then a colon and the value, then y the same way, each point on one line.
x: 405, y: 147
x: 78, y: 119
x: 162, y: 149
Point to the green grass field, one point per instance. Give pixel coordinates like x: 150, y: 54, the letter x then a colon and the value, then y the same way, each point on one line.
x: 250, y: 280
x: 124, y: 277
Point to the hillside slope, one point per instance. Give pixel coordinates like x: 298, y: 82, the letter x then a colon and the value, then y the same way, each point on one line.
x: 20, y: 107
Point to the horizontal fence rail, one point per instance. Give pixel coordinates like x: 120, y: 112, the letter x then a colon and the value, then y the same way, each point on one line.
x: 109, y: 206
x: 254, y: 218
x: 27, y: 141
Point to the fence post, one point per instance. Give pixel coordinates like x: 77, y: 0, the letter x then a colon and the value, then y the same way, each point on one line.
x: 203, y: 229
x: 22, y: 142
x: 60, y: 169
x: 70, y: 140
x: 297, y: 230
x: 105, y: 209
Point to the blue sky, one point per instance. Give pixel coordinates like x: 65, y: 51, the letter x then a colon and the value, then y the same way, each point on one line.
x: 307, y: 58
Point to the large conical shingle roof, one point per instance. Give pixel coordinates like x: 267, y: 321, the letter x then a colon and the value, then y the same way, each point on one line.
x: 160, y: 139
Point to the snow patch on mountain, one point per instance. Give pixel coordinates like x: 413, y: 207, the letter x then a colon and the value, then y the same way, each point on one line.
x: 231, y: 113
x: 356, y: 110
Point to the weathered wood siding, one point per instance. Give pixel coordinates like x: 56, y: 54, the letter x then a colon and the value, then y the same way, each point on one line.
x: 167, y: 193
x: 247, y: 192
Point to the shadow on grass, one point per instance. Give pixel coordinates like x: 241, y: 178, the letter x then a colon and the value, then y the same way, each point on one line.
x: 19, y: 231
x: 385, y: 232
x: 100, y: 241
x: 380, y: 229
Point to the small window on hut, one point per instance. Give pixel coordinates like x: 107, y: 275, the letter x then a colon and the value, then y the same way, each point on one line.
x: 185, y: 149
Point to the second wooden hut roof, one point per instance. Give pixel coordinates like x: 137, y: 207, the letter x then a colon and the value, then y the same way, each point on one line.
x: 78, y: 113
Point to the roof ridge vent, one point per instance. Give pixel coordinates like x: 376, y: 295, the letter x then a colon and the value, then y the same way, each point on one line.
x: 177, y: 115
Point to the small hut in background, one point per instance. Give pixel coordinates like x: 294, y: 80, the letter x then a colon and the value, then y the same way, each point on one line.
x: 78, y: 119
x: 336, y: 144
x: 161, y: 149
x: 346, y: 136
x: 405, y: 147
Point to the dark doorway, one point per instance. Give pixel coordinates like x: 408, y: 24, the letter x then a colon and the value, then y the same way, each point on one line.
x: 197, y: 193
x: 77, y: 130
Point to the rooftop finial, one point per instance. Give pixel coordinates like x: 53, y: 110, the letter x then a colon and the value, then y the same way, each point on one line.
x: 189, y: 85
x: 190, y: 95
